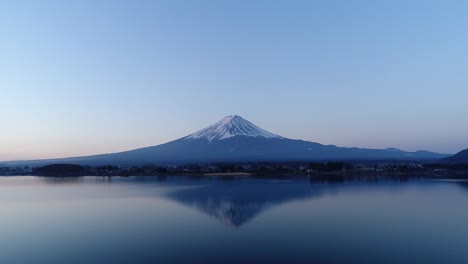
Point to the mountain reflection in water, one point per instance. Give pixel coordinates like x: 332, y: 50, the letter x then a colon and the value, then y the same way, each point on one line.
x: 332, y: 219
x: 236, y: 202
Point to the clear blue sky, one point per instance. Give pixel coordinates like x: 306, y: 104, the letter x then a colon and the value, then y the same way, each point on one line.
x: 86, y: 77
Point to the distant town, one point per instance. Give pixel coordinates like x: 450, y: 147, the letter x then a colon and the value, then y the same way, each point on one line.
x: 245, y: 169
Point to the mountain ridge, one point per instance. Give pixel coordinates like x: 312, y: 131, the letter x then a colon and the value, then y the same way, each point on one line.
x: 235, y: 139
x: 459, y: 158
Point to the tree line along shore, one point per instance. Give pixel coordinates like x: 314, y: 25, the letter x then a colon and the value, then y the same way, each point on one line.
x: 247, y: 169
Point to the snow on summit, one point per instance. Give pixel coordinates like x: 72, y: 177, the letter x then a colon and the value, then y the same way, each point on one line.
x: 231, y: 126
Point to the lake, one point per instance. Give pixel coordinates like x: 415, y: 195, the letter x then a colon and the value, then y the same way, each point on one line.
x: 244, y: 220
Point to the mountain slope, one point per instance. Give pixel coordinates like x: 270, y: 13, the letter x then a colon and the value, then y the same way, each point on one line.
x: 459, y: 158
x: 234, y: 139
x: 231, y: 126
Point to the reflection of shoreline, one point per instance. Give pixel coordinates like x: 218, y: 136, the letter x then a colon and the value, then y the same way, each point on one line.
x: 232, y: 174
x: 60, y: 180
x: 361, y: 178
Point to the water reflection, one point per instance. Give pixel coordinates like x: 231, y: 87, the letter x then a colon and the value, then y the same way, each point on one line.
x: 303, y: 220
x: 463, y: 184
x: 236, y: 202
x: 332, y: 179
x: 61, y: 180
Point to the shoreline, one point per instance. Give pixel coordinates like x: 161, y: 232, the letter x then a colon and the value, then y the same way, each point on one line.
x: 245, y: 175
x: 227, y: 174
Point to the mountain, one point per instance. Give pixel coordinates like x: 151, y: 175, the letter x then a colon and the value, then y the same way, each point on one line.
x: 459, y: 158
x: 229, y: 127
x: 234, y: 139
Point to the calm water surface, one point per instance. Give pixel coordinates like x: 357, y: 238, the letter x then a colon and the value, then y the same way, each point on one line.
x: 180, y: 220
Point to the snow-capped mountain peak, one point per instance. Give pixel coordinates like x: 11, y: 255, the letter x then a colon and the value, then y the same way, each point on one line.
x: 231, y: 126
